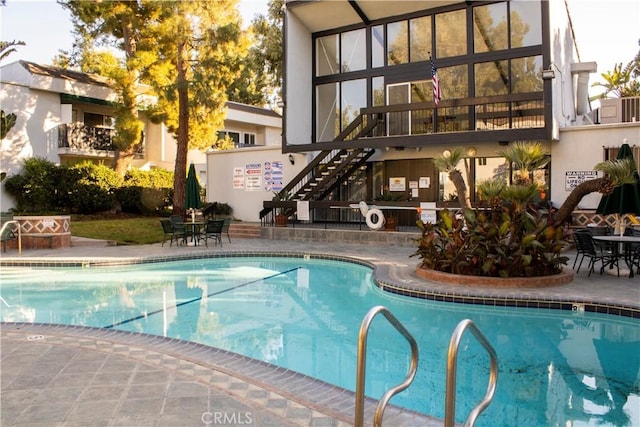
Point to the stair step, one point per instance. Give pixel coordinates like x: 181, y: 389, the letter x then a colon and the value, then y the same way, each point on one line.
x: 244, y: 230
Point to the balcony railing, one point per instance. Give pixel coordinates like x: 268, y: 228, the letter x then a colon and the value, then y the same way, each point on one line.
x: 90, y: 138
x: 517, y: 111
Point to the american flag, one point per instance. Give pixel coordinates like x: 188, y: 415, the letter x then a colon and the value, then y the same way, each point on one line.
x: 437, y: 91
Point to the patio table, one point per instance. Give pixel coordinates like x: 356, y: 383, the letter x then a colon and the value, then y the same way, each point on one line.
x: 194, y: 228
x: 626, y: 242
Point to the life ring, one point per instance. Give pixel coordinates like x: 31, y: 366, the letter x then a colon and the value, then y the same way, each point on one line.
x: 380, y: 219
x: 364, y: 208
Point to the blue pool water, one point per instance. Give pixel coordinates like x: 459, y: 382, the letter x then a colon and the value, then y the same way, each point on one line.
x: 556, y: 368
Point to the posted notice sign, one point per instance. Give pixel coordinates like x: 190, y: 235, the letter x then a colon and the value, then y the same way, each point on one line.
x: 574, y: 178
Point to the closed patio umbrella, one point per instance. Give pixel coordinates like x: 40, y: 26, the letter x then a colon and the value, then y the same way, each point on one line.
x: 192, y: 194
x: 625, y: 198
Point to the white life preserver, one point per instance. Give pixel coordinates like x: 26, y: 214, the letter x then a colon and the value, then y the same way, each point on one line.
x: 380, y: 219
x: 364, y: 208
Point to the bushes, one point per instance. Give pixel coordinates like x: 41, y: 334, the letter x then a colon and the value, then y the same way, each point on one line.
x: 87, y: 188
x: 508, y: 239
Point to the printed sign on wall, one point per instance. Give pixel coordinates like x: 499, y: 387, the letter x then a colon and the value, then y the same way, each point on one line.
x: 253, y: 177
x: 238, y: 178
x: 574, y: 178
x: 273, y: 176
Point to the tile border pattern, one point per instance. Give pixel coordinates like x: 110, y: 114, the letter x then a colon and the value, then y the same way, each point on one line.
x: 284, y: 391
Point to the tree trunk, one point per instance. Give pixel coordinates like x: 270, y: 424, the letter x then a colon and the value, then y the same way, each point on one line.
x: 124, y: 158
x: 571, y: 202
x: 458, y: 181
x: 180, y: 171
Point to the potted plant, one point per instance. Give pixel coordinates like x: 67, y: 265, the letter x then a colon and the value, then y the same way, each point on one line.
x: 281, y: 216
x: 391, y: 221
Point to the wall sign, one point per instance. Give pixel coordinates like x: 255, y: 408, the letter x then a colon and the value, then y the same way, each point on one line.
x: 574, y: 178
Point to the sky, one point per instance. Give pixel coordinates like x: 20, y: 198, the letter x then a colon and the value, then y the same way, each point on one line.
x: 607, y: 31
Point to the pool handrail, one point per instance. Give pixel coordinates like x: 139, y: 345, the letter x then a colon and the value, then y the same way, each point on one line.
x: 14, y: 222
x: 452, y: 359
x: 361, y: 366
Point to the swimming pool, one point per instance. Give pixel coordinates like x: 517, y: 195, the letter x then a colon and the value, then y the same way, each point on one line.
x: 555, y: 367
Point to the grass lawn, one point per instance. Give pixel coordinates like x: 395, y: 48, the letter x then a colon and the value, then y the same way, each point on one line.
x: 125, y: 231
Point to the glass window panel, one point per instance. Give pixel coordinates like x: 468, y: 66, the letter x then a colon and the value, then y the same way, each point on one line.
x: 398, y: 121
x: 492, y: 78
x: 353, y: 49
x: 451, y: 33
x: 327, y: 124
x: 353, y: 97
x: 327, y: 55
x: 397, y: 43
x: 526, y: 74
x: 421, y: 120
x: 420, y: 38
x: 453, y: 82
x: 377, y: 46
x: 490, y: 31
x: 377, y: 89
x: 526, y: 23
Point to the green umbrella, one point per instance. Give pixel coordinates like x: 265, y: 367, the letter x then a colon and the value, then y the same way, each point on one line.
x: 192, y: 195
x: 625, y: 198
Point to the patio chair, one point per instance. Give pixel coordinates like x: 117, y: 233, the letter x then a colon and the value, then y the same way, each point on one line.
x: 225, y: 227
x: 212, y: 230
x: 595, y: 253
x: 176, y: 234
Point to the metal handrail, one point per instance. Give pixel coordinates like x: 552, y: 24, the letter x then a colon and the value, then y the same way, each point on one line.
x: 13, y: 221
x: 452, y: 358
x: 362, y: 358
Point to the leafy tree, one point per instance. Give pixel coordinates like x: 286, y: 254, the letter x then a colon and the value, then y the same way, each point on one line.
x: 199, y: 50
x: 622, y: 81
x: 525, y: 158
x: 7, y: 48
x: 122, y: 25
x: 264, y: 61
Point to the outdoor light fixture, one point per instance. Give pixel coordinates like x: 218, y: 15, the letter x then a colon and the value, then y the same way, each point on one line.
x: 292, y: 159
x: 548, y: 74
x: 471, y: 151
x: 446, y: 154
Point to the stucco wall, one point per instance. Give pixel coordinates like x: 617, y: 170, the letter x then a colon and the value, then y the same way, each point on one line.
x: 298, y: 82
x: 580, y: 149
x: 246, y: 204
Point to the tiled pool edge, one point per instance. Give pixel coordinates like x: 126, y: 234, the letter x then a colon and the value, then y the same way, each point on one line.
x: 416, y: 288
x: 324, y: 399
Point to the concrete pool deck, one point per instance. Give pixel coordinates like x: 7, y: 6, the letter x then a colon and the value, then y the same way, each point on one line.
x: 71, y: 376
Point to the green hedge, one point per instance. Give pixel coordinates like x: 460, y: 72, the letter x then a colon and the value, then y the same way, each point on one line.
x: 87, y: 188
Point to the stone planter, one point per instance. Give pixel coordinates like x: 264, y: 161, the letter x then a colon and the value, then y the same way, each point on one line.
x: 391, y: 223
x: 566, y: 276
x: 43, y: 232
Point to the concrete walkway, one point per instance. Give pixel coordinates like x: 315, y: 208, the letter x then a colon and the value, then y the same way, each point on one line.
x: 72, y: 376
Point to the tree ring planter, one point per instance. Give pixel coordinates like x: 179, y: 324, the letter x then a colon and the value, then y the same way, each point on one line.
x: 562, y: 278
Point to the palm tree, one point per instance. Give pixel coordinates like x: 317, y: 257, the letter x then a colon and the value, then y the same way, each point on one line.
x: 525, y: 158
x: 620, y: 81
x: 616, y: 172
x: 448, y: 162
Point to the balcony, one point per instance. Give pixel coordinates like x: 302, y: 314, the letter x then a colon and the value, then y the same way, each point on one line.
x: 80, y: 139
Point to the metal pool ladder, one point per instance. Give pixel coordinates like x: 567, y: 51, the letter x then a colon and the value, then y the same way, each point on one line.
x: 452, y: 357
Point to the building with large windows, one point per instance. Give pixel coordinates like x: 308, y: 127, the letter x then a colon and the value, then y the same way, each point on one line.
x: 359, y: 96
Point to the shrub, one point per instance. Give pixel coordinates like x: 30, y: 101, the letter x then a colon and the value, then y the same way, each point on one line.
x: 90, y: 188
x: 36, y: 188
x: 507, y: 239
x: 146, y: 192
